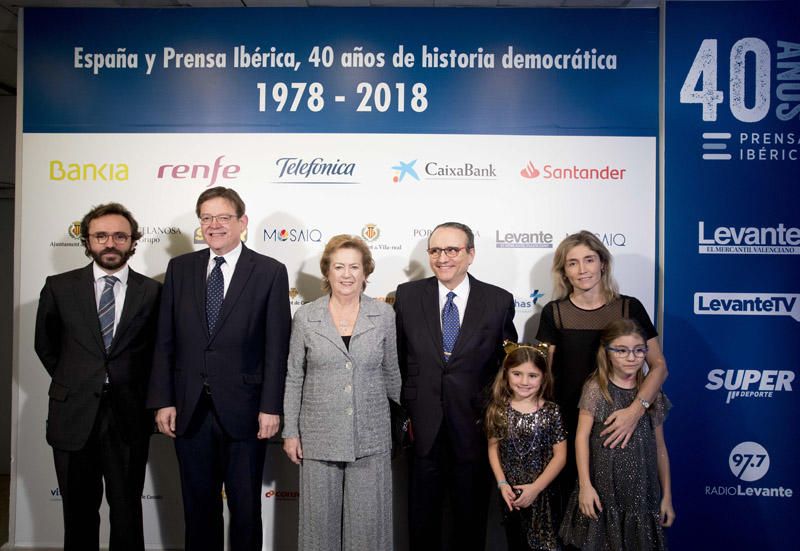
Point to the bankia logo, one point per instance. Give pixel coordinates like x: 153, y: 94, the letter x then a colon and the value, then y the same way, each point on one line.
x: 769, y: 240
x: 403, y: 169
x: 292, y: 235
x: 316, y: 170
x: 207, y: 174
x: 103, y: 171
x: 523, y: 240
x: 572, y: 172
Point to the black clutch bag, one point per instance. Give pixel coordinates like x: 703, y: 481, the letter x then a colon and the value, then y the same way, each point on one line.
x: 402, y: 436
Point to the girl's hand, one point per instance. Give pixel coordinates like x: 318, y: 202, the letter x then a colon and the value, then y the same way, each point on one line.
x: 507, y: 493
x: 293, y: 449
x: 588, y: 500
x: 528, y: 496
x: 667, y: 513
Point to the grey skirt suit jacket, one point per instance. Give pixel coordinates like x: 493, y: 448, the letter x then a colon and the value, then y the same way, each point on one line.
x: 336, y: 399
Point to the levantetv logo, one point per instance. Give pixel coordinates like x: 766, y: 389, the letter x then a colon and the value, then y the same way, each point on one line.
x: 748, y: 240
x: 747, y: 304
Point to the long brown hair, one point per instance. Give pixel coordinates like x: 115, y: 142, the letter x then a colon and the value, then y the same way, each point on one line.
x: 614, y: 330
x: 516, y: 354
x: 562, y: 288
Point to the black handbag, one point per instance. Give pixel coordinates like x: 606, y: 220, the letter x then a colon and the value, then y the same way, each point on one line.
x: 402, y: 436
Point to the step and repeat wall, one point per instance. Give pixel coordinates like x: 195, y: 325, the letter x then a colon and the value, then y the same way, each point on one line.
x: 732, y: 297
x: 527, y: 125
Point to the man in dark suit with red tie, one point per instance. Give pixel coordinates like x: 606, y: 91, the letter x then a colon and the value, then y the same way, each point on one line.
x: 95, y: 328
x: 450, y: 332
x: 218, y: 372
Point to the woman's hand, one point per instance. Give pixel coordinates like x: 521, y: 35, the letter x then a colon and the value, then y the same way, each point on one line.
x: 589, y: 502
x: 667, y: 513
x: 527, y: 497
x: 620, y: 425
x: 293, y: 449
x: 508, y: 495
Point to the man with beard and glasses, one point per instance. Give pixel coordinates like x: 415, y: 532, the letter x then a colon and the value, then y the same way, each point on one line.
x: 95, y: 329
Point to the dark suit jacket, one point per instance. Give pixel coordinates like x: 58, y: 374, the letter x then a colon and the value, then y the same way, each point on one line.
x: 243, y: 362
x: 455, y: 392
x: 69, y: 344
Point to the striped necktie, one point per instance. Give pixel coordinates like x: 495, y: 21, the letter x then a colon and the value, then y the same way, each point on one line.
x: 105, y: 311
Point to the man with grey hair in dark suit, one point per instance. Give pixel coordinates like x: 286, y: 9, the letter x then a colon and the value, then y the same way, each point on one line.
x: 450, y: 332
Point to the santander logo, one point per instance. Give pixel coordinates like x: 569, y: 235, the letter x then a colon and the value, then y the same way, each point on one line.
x: 529, y: 171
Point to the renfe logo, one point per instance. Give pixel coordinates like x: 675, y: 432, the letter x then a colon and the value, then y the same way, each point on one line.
x: 200, y: 172
x: 747, y: 304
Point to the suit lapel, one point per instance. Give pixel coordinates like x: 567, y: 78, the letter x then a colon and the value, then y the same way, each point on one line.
x: 133, y: 300
x: 200, y: 268
x: 474, y: 313
x: 432, y: 315
x: 241, y: 275
x: 88, y: 302
x: 321, y: 323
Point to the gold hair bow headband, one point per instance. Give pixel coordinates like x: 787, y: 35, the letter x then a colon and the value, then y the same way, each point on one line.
x: 541, y: 348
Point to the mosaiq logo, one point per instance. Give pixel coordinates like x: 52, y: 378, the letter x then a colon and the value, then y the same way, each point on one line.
x: 775, y: 240
x: 293, y: 235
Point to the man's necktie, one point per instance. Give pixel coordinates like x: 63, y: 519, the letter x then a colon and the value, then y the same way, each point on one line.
x: 215, y: 292
x: 450, y: 325
x: 105, y: 311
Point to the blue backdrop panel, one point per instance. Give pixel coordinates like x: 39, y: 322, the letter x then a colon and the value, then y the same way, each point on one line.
x: 570, y: 89
x: 732, y: 298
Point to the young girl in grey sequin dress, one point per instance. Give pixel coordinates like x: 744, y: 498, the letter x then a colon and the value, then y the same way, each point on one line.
x: 618, y: 503
x: 527, y: 446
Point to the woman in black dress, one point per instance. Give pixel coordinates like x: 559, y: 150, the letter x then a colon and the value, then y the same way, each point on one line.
x: 586, y: 299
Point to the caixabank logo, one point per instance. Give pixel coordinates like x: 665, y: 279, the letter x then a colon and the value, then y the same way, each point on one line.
x: 768, y: 240
x: 749, y: 462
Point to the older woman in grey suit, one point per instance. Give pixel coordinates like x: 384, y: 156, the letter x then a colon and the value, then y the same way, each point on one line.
x: 342, y: 368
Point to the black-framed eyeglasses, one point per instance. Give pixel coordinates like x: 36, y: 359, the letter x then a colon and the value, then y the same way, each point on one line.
x: 624, y: 351
x: 119, y: 237
x: 223, y: 219
x: 450, y: 252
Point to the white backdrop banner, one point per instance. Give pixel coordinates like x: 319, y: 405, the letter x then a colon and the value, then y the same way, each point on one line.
x: 524, y: 154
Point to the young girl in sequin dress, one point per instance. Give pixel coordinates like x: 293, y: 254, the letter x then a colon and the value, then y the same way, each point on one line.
x: 527, y: 446
x: 618, y: 503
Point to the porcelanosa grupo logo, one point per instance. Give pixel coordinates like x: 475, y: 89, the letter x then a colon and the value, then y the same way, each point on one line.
x: 775, y: 240
x: 749, y: 462
x: 572, y: 172
x: 318, y: 170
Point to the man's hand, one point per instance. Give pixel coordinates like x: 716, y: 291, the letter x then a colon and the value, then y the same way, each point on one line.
x: 165, y: 420
x: 268, y: 425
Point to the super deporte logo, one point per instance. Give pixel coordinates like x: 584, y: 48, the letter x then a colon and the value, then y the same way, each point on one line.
x: 750, y: 383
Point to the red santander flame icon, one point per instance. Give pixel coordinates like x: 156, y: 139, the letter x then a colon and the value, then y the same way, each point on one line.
x: 529, y: 171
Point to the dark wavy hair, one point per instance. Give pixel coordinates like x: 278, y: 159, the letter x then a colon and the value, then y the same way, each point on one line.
x: 105, y: 210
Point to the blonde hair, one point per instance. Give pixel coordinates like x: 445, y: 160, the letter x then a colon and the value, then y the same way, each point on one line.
x: 496, y: 420
x: 620, y: 328
x: 562, y: 288
x: 345, y: 241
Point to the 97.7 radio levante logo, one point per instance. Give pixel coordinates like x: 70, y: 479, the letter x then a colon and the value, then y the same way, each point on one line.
x: 749, y: 462
x: 757, y: 74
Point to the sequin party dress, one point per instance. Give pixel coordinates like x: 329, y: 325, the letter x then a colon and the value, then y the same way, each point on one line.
x: 626, y: 480
x: 524, y: 453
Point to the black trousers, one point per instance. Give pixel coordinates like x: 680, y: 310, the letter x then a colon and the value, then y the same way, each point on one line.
x: 110, y: 458
x: 467, y: 483
x: 209, y: 458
